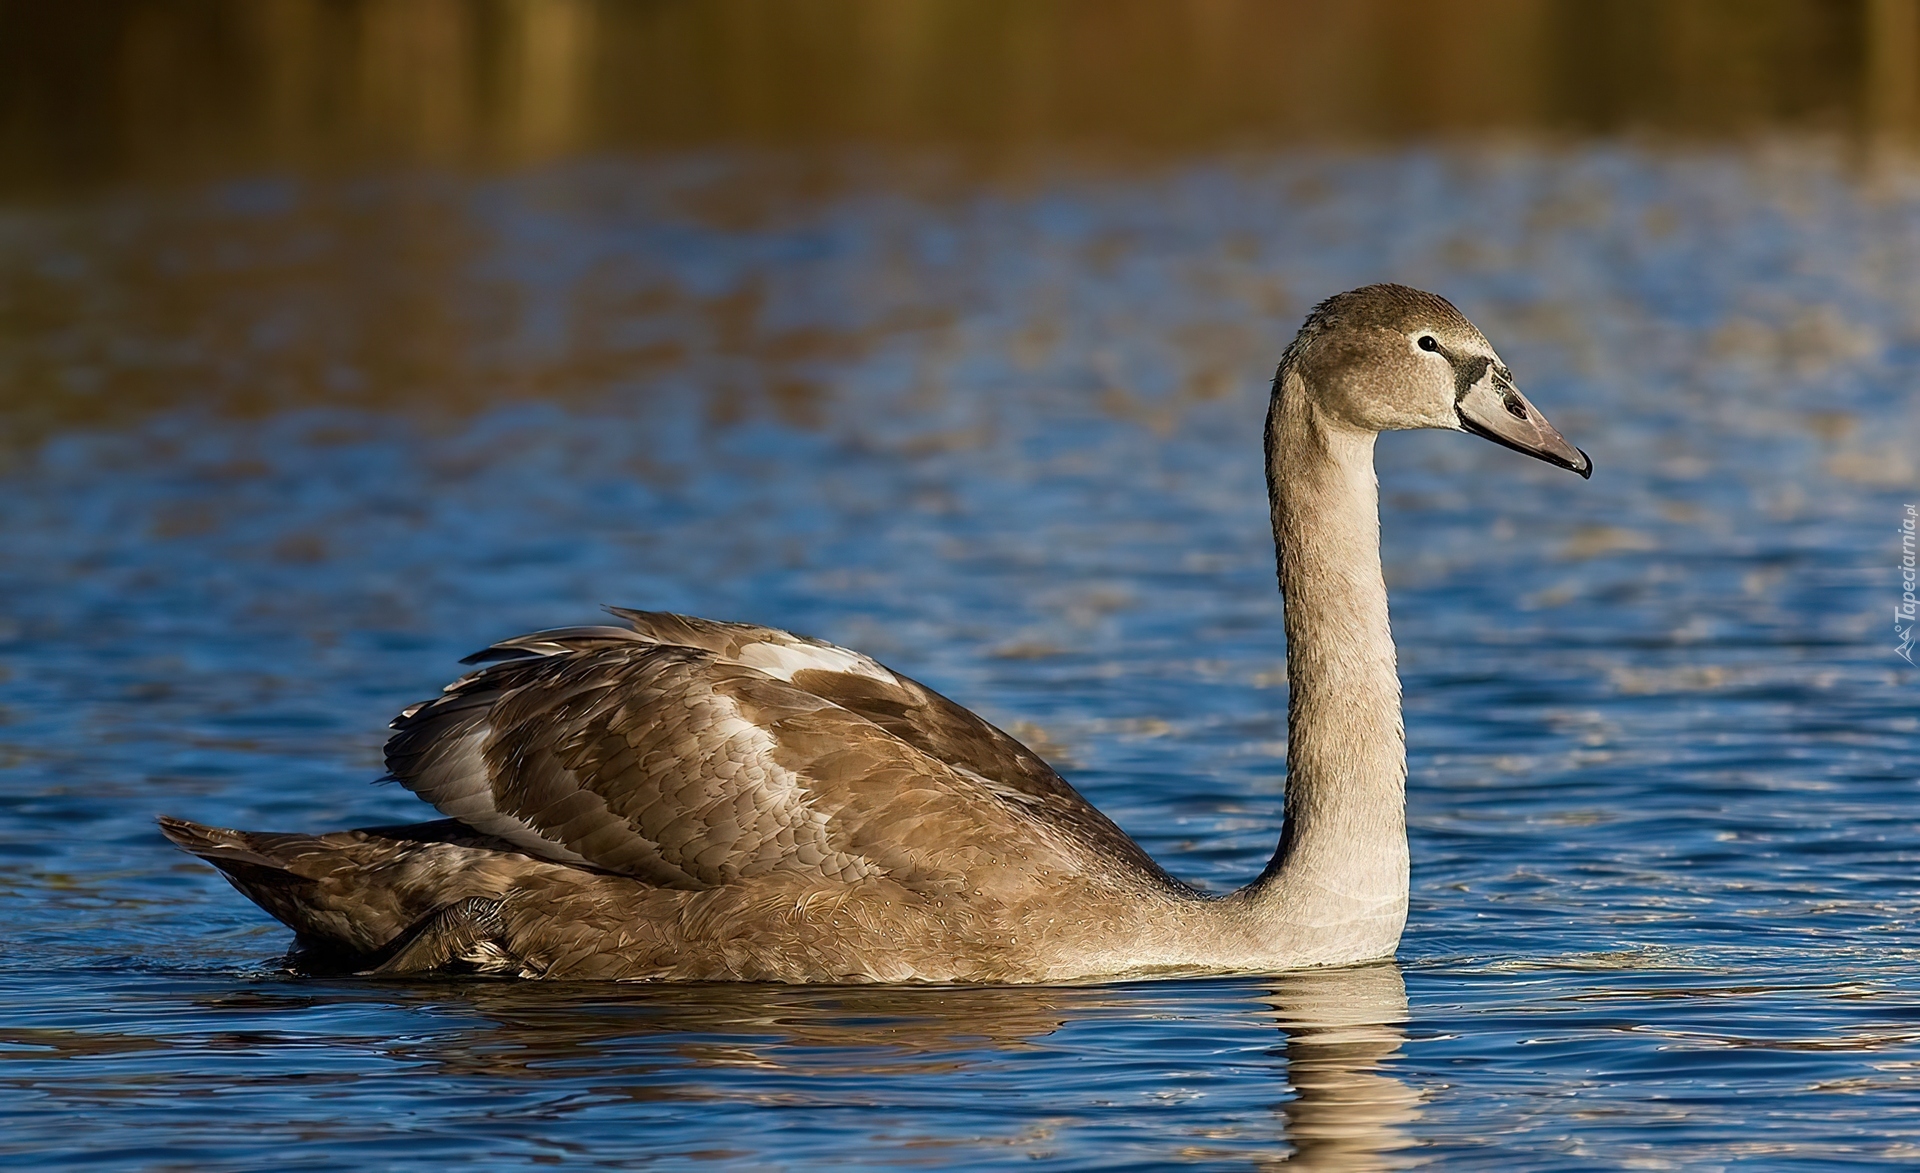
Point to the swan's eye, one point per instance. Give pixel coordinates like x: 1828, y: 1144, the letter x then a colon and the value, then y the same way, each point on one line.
x: 1427, y: 342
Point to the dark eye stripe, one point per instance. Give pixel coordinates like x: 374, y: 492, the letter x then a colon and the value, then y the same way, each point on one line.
x: 1467, y: 373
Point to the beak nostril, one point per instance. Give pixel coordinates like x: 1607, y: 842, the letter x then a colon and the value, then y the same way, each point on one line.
x: 1514, y: 422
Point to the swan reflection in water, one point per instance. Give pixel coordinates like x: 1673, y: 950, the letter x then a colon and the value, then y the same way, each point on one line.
x: 1017, y: 1066
x: 1348, y: 1111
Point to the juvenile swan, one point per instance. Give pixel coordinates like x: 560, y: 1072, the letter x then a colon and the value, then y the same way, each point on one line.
x: 687, y: 800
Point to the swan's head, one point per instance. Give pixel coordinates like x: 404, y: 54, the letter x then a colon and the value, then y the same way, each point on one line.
x: 1386, y: 357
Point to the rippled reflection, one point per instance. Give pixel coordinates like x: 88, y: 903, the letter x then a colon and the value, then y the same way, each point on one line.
x: 1349, y: 1110
x: 1322, y: 1095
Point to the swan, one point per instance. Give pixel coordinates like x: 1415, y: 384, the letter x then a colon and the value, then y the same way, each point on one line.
x: 680, y: 799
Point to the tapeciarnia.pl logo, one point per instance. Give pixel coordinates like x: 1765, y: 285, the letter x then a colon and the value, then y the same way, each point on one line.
x: 1904, y: 612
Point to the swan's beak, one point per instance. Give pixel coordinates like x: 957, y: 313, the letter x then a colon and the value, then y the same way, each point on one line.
x: 1494, y: 408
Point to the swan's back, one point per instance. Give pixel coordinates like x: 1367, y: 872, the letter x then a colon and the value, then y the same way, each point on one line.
x: 689, y: 753
x: 692, y: 798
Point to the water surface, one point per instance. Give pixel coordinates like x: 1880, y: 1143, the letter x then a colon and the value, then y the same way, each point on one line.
x: 281, y: 450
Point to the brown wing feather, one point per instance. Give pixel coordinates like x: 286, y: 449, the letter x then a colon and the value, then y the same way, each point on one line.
x: 667, y: 763
x: 909, y: 711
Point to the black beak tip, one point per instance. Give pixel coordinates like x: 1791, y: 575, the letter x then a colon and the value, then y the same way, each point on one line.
x: 1585, y: 467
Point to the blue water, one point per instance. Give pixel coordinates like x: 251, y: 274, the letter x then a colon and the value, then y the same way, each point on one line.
x: 280, y: 451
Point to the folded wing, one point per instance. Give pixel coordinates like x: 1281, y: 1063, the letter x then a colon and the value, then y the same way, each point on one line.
x: 691, y: 754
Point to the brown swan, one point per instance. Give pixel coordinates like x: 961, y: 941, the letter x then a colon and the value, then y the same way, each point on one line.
x: 689, y: 800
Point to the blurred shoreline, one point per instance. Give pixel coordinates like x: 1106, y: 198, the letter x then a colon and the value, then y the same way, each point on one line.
x: 131, y: 92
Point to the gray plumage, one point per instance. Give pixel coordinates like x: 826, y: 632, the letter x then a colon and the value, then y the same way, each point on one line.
x: 681, y: 799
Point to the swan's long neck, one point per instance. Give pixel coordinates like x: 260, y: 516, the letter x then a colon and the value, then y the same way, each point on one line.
x: 1342, y: 858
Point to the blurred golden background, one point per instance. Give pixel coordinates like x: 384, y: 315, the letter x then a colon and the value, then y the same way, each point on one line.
x: 111, y: 90
x: 249, y: 205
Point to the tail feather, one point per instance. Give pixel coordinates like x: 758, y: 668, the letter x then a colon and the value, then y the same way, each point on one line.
x: 216, y: 845
x: 349, y: 896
